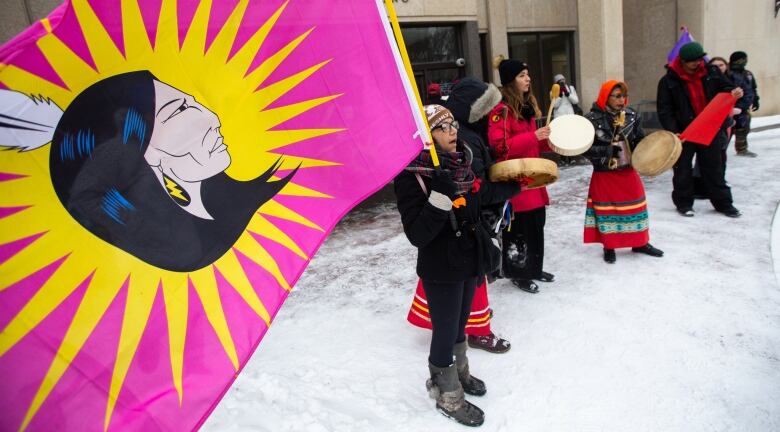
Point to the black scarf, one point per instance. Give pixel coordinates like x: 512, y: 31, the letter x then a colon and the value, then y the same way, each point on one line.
x: 527, y: 111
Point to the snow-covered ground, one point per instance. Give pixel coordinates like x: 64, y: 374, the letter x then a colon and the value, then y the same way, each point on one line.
x: 687, y: 342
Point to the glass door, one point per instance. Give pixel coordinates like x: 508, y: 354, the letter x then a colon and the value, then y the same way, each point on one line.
x: 433, y: 52
x: 547, y: 54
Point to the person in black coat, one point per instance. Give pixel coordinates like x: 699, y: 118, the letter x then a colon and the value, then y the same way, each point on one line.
x: 683, y: 92
x: 747, y: 82
x: 440, y: 212
x: 470, y: 102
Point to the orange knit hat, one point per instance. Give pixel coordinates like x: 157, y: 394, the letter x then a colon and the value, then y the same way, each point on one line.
x: 607, y: 88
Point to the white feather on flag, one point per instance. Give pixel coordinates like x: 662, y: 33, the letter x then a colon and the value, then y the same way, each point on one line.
x: 26, y: 122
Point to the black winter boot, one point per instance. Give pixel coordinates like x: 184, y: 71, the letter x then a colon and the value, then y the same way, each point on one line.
x: 526, y: 285
x: 445, y: 388
x: 741, y: 143
x: 471, y: 384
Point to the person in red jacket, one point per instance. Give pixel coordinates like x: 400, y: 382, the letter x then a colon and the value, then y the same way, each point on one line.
x: 512, y: 134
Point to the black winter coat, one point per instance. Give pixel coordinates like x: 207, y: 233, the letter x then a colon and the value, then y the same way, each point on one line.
x: 754, y: 86
x: 491, y: 193
x: 442, y: 253
x: 675, y: 111
x: 602, y: 149
x: 744, y: 80
x: 469, y: 100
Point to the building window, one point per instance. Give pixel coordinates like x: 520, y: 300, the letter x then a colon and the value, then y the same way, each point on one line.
x: 433, y: 51
x: 547, y: 54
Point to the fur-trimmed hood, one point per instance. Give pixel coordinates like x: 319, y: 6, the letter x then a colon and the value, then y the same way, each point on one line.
x: 471, y: 99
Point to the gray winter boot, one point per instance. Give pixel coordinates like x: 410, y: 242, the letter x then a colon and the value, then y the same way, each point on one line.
x: 445, y: 388
x: 471, y: 384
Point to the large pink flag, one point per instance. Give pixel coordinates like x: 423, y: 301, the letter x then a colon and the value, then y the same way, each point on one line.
x: 169, y: 169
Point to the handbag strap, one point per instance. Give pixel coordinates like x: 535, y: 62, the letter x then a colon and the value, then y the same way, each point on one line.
x: 422, y: 184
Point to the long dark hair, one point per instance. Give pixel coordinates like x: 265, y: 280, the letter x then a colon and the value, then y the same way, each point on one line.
x: 100, y: 175
x: 103, y: 134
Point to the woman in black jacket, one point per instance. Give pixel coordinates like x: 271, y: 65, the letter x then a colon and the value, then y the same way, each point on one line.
x: 440, y: 212
x: 470, y: 102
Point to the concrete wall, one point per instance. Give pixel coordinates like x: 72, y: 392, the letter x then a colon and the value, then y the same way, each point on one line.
x: 482, y: 17
x: 497, y: 40
x: 750, y: 27
x: 500, y: 17
x: 690, y: 13
x: 596, y: 57
x: 535, y: 15
x: 14, y: 19
x: 614, y: 39
x: 649, y: 31
x: 600, y: 43
x: 436, y: 10
x: 461, y: 11
x: 17, y: 15
x: 471, y: 52
x: 545, y: 16
x: 653, y: 26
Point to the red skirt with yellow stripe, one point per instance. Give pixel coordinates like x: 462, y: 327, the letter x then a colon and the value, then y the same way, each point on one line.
x: 616, y: 213
x: 479, y: 318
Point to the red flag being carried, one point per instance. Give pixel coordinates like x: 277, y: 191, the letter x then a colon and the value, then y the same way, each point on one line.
x: 704, y: 127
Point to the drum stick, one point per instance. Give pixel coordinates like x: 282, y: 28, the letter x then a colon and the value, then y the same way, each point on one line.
x: 555, y: 91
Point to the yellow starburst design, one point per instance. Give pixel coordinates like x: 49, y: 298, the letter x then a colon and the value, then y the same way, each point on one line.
x: 240, y: 100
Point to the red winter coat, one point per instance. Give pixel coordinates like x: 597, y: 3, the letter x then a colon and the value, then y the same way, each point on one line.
x: 513, y: 138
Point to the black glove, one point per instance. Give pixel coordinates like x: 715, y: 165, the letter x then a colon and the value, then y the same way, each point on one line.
x: 755, y: 105
x: 443, y: 184
x: 564, y: 91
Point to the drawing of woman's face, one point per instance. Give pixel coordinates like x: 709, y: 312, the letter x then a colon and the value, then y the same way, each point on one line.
x: 140, y: 165
x: 186, y: 139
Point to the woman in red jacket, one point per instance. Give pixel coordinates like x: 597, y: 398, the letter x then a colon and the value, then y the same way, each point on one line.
x: 512, y: 134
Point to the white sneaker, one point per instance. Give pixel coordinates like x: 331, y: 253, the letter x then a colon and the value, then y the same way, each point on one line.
x: 688, y: 212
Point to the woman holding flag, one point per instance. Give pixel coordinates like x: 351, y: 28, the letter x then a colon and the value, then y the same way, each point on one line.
x: 440, y: 211
x: 470, y: 102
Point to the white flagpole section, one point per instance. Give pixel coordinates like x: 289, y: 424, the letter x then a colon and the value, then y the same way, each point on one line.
x: 411, y: 95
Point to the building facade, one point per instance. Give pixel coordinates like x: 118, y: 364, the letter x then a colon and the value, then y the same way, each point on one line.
x: 588, y: 41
